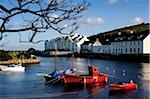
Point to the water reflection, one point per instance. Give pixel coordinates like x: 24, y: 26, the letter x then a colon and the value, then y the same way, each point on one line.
x: 90, y: 90
x: 95, y: 90
x: 145, y: 71
x: 121, y: 92
x: 81, y: 66
x: 29, y: 85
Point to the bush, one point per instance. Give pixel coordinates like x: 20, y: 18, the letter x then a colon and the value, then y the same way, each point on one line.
x: 4, y: 56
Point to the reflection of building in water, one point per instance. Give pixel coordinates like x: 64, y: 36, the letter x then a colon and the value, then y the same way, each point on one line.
x: 81, y: 66
x: 145, y: 77
x: 145, y: 71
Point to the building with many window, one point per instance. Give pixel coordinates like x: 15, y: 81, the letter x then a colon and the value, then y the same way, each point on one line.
x: 119, y: 43
x: 66, y: 44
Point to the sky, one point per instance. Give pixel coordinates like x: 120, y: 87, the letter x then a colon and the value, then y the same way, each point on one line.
x: 101, y: 16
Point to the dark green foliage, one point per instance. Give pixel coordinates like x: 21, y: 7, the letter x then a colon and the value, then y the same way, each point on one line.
x: 136, y: 29
x: 4, y: 56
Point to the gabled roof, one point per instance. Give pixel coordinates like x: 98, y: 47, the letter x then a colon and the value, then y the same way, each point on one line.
x: 87, y: 43
x: 78, y: 38
x: 97, y: 42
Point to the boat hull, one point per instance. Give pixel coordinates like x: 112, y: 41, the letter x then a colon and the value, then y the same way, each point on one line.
x: 51, y: 80
x: 55, y: 76
x: 85, y: 79
x: 12, y: 69
x: 127, y: 86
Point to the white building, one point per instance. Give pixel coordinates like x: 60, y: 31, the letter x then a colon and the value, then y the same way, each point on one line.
x: 122, y: 43
x: 96, y: 47
x: 66, y: 43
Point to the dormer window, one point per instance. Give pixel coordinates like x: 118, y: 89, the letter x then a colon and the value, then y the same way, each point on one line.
x: 139, y: 37
x: 119, y: 33
x: 129, y: 38
x: 121, y: 38
x: 116, y: 39
x: 131, y: 32
x: 107, y: 40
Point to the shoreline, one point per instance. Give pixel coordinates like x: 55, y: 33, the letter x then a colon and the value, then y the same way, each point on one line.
x: 23, y: 61
x: 144, y: 58
x: 116, y: 57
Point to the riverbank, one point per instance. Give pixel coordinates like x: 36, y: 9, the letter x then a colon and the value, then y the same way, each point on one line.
x: 23, y: 61
x: 118, y: 57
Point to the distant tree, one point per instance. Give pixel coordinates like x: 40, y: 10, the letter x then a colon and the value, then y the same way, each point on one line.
x: 31, y: 50
x: 4, y: 56
x: 36, y: 16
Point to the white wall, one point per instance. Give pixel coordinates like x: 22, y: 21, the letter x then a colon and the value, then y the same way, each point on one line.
x: 146, y: 45
x: 95, y: 49
x: 68, y: 43
x: 127, y: 47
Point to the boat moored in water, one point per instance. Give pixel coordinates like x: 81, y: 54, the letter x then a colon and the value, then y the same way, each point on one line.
x: 94, y: 77
x: 12, y: 68
x: 53, y: 77
x: 123, y: 86
x: 56, y: 76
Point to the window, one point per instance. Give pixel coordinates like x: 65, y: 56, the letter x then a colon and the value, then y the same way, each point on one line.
x: 138, y: 42
x: 109, y: 51
x: 95, y: 69
x: 134, y: 42
x: 126, y: 50
x: 130, y: 42
x: 138, y: 49
x: 134, y: 50
x: 130, y: 50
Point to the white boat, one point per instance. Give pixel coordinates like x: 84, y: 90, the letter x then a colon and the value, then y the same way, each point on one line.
x: 12, y: 68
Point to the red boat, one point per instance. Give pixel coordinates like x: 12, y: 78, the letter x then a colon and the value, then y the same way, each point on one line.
x: 123, y: 86
x: 94, y: 77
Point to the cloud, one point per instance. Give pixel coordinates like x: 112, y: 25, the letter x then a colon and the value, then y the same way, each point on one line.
x: 55, y: 16
x: 93, y: 21
x: 112, y: 1
x: 137, y: 20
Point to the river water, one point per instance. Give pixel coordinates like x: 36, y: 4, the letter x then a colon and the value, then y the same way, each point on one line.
x: 30, y: 84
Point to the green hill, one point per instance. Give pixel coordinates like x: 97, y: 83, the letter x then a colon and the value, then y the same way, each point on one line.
x: 126, y: 30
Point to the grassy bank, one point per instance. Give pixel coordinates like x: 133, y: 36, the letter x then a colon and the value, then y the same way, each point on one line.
x: 16, y: 57
x: 23, y: 61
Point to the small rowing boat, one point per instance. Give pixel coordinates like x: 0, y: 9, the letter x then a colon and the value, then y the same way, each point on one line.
x: 123, y: 86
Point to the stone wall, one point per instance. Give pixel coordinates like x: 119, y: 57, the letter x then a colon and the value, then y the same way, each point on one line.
x: 23, y: 61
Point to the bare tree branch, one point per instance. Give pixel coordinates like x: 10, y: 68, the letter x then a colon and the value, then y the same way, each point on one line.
x: 40, y: 15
